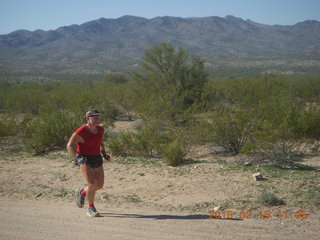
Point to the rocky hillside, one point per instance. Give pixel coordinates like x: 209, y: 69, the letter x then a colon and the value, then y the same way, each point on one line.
x: 115, y: 44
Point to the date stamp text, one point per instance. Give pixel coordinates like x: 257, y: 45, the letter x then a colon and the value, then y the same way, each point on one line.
x: 260, y: 214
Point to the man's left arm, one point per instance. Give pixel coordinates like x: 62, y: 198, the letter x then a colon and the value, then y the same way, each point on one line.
x: 103, y: 152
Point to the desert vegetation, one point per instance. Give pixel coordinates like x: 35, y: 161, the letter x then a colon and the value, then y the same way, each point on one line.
x: 177, y: 104
x: 174, y: 106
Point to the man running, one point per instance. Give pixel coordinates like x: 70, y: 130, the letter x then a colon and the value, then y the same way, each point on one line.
x: 86, y: 145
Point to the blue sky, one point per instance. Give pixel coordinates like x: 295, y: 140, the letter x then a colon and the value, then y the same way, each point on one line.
x: 51, y: 14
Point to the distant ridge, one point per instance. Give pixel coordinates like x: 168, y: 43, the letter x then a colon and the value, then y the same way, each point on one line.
x: 106, y: 45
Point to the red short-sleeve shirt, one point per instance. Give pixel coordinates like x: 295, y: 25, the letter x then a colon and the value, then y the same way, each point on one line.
x: 92, y: 141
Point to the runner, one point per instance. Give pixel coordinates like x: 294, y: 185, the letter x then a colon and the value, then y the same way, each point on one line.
x: 86, y: 145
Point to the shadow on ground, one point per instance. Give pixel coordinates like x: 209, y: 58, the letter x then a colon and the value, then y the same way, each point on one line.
x: 166, y: 217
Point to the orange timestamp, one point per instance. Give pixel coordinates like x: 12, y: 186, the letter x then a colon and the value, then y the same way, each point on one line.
x: 262, y: 214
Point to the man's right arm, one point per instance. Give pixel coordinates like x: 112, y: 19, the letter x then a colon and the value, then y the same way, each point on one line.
x: 72, y: 144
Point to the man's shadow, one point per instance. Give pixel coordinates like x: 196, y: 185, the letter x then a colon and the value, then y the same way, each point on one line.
x: 166, y: 216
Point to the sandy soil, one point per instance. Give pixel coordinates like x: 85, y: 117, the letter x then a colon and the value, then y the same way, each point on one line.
x: 27, y: 219
x: 145, y: 199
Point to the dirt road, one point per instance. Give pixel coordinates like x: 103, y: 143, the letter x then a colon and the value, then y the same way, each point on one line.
x: 146, y: 199
x: 31, y: 219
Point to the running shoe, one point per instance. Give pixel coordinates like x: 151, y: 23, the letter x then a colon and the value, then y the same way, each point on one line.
x: 79, y: 198
x: 92, y: 212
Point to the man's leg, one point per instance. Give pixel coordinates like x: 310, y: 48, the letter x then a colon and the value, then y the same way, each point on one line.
x: 95, y: 181
x: 99, y: 177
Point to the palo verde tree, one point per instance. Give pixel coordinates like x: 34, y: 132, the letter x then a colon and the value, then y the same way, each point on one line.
x: 169, y: 84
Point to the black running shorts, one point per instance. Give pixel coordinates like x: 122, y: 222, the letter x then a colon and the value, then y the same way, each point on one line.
x: 94, y: 161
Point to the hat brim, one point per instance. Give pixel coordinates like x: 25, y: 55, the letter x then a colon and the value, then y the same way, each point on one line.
x: 94, y: 114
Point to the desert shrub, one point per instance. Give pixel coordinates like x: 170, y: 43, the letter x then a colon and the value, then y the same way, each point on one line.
x: 169, y: 83
x: 231, y: 129
x: 245, y: 92
x: 9, y: 125
x: 280, y: 153
x: 121, y: 145
x: 144, y: 142
x: 115, y: 78
x: 23, y: 98
x: 65, y: 96
x: 305, y: 87
x: 84, y: 100
x: 174, y: 152
x: 116, y: 99
x: 253, y: 114
x: 309, y: 122
x: 279, y: 128
x: 269, y: 199
x: 251, y: 92
x: 112, y: 111
x: 284, y: 123
x: 154, y: 139
x: 51, y: 129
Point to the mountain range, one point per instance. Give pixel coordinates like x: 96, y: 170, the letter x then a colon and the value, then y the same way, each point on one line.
x: 105, y: 45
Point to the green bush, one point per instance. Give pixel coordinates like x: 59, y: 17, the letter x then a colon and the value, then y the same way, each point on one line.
x: 309, y: 122
x: 22, y: 98
x: 272, y: 114
x: 251, y: 92
x: 169, y: 83
x: 9, y: 125
x: 232, y: 129
x: 144, y: 142
x: 279, y: 129
x: 280, y: 153
x: 115, y: 99
x: 153, y: 140
x: 51, y: 129
x: 269, y: 199
x: 122, y: 145
x: 174, y: 152
x: 117, y: 78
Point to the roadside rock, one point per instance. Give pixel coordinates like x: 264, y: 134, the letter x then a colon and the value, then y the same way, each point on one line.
x: 257, y: 176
